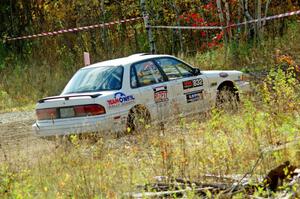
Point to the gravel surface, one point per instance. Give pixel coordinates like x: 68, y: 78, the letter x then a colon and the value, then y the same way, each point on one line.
x: 17, y: 138
x: 16, y: 117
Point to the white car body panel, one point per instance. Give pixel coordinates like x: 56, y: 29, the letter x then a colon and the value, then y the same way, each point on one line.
x: 198, y: 95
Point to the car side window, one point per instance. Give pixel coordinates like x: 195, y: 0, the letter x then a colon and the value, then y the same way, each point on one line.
x: 174, y: 69
x: 147, y: 73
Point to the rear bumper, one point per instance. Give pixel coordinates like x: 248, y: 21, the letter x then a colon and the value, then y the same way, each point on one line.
x: 80, y: 125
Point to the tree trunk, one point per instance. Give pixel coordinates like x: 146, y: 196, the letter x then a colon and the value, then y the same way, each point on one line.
x: 177, y: 32
x: 251, y: 31
x: 221, y: 17
x: 104, y: 34
x: 266, y: 10
x: 246, y: 11
x: 258, y: 25
x: 227, y: 11
x: 149, y: 31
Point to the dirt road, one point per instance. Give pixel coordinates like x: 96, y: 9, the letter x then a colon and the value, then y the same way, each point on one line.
x: 16, y: 137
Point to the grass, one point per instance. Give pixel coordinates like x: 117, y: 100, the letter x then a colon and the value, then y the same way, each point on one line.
x: 224, y: 144
x: 219, y: 143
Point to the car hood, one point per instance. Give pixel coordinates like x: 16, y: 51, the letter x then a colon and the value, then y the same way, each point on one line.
x: 228, y: 74
x: 217, y: 72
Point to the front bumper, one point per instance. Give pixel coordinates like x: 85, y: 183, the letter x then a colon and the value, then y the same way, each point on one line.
x: 79, y: 125
x: 244, y: 87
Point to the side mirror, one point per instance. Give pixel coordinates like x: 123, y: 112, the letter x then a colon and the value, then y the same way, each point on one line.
x: 196, y: 71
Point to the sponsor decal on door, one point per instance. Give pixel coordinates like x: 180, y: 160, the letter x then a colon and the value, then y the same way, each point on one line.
x: 194, y: 96
x: 192, y: 83
x: 160, y: 94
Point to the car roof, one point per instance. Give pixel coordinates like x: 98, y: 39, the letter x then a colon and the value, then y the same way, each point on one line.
x: 126, y: 60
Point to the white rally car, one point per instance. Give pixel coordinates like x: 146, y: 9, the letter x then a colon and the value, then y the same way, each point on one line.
x: 123, y: 94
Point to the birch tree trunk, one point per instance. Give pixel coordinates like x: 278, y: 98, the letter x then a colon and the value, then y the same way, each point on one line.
x: 147, y: 23
x: 227, y: 11
x: 258, y: 25
x: 104, y: 34
x: 239, y: 19
x: 250, y: 30
x: 221, y: 16
x: 266, y: 10
x: 179, y: 33
x: 246, y: 11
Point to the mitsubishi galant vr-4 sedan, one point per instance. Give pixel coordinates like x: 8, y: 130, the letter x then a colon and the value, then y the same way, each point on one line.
x: 126, y: 93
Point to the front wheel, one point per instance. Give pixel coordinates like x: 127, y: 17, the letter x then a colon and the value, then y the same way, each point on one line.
x: 227, y: 98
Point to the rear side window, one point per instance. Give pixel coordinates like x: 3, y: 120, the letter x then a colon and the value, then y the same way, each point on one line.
x: 95, y: 79
x: 145, y: 73
x: 174, y: 69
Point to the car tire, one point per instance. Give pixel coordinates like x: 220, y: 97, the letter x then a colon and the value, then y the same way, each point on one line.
x: 138, y: 119
x: 227, y: 98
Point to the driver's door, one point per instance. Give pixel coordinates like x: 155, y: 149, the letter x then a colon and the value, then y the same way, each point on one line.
x: 152, y: 87
x: 190, y: 89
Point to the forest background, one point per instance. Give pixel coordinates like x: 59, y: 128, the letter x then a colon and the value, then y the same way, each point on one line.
x: 34, y: 68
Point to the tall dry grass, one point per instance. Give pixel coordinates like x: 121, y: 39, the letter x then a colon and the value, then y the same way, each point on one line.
x: 218, y: 143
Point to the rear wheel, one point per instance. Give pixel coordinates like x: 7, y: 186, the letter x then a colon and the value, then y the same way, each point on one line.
x: 138, y: 119
x: 227, y: 98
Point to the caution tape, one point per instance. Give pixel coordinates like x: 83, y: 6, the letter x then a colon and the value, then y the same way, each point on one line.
x: 73, y: 29
x: 188, y: 27
x: 229, y: 26
x: 84, y: 28
x: 266, y: 18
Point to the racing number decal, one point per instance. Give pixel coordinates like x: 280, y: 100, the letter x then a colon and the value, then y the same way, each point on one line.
x: 160, y: 94
x: 198, y: 82
x: 192, y: 83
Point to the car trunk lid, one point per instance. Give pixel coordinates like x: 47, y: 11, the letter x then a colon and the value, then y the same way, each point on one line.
x: 67, y: 106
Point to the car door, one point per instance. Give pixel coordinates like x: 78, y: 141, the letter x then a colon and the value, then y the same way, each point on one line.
x: 189, y: 89
x: 153, y: 89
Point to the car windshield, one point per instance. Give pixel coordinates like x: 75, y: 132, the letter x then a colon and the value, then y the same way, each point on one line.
x: 95, y: 79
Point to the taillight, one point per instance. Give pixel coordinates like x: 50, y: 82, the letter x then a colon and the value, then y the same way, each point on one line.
x: 46, y: 114
x: 79, y: 111
x: 86, y: 110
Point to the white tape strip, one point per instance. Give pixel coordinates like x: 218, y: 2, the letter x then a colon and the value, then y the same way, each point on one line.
x: 156, y: 27
x: 188, y: 27
x: 266, y: 18
x: 73, y: 29
x: 224, y: 27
